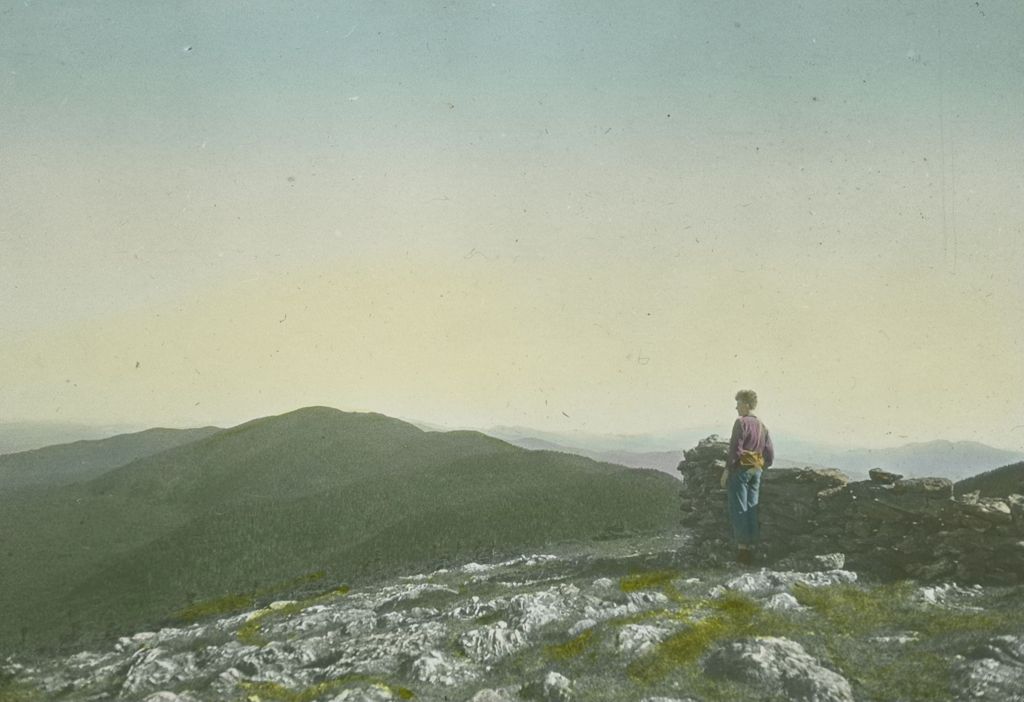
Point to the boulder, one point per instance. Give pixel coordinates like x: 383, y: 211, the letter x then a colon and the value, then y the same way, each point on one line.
x: 555, y: 687
x: 988, y: 509
x: 167, y: 696
x: 637, y: 639
x: 502, y: 694
x: 779, y: 668
x: 880, y: 476
x: 993, y: 672
x: 933, y: 488
x: 492, y: 643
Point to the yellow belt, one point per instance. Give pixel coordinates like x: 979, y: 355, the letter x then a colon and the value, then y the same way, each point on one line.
x: 752, y: 459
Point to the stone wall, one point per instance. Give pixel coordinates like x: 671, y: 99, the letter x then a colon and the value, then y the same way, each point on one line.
x: 887, y: 526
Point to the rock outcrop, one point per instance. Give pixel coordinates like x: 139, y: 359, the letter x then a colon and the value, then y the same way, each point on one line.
x: 559, y: 629
x: 887, y: 527
x: 779, y: 667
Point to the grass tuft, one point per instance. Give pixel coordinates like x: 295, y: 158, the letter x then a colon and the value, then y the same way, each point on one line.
x: 230, y: 604
x: 574, y: 647
x: 279, y: 693
x: 732, y: 615
x: 239, y: 602
x: 653, y: 580
x: 249, y: 633
x: 12, y: 690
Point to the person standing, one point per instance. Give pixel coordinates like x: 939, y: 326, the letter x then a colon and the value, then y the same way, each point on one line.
x: 750, y: 451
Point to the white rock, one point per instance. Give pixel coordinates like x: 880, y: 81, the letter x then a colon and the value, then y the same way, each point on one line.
x: 554, y: 688
x: 778, y: 667
x: 581, y: 626
x: 945, y: 594
x: 782, y: 602
x: 831, y: 561
x: 533, y: 610
x: 492, y: 643
x: 437, y: 668
x: 154, y: 668
x: 646, y: 598
x: 502, y: 694
x: 899, y: 639
x: 992, y: 673
x: 376, y: 693
x: 638, y: 639
x: 768, y: 582
x: 165, y: 696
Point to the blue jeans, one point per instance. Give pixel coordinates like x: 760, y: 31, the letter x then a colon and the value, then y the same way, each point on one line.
x: 742, y: 490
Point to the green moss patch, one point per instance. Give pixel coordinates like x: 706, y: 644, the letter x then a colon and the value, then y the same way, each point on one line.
x: 731, y: 616
x: 239, y: 602
x: 280, y: 693
x: 574, y: 647
x: 12, y: 690
x: 230, y: 604
x: 660, y: 580
x: 249, y: 633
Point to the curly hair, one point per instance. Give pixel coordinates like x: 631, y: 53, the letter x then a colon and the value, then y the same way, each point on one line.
x: 748, y: 396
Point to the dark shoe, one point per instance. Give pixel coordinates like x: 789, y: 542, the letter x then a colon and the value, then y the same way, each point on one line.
x: 745, y: 557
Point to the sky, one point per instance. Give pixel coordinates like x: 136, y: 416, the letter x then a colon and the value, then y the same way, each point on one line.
x: 572, y: 216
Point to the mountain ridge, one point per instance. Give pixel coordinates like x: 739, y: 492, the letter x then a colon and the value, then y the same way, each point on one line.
x: 317, y: 489
x: 84, y: 459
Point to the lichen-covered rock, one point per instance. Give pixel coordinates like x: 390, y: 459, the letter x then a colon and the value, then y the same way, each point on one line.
x: 154, y: 668
x: 946, y: 594
x: 501, y: 694
x: 581, y: 626
x: 555, y: 687
x: 778, y: 667
x: 782, y: 602
x: 988, y: 509
x: 437, y: 668
x: 373, y: 693
x: 993, y: 672
x: 637, y: 639
x: 769, y: 582
x: 493, y: 642
x: 167, y: 696
x: 534, y: 610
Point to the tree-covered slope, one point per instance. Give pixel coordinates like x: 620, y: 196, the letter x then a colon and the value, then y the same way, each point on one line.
x: 316, y: 490
x: 79, y: 461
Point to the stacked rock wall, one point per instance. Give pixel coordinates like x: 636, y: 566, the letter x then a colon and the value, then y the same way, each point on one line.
x: 888, y: 527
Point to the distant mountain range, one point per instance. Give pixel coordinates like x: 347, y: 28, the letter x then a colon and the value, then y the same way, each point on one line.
x: 665, y: 461
x: 79, y: 461
x: 952, y: 460
x: 25, y: 436
x: 90, y: 549
x: 943, y: 459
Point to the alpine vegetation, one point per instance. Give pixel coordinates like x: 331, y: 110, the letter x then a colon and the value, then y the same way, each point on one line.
x: 625, y: 619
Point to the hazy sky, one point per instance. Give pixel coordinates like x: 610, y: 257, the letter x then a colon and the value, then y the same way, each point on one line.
x: 567, y: 215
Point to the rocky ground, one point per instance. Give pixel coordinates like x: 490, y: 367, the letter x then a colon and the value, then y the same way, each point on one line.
x: 888, y: 527
x: 626, y: 620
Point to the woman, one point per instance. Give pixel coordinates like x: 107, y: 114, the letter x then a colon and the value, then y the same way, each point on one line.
x: 750, y: 451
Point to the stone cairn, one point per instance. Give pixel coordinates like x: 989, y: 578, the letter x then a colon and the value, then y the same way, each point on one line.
x: 887, y: 527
